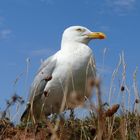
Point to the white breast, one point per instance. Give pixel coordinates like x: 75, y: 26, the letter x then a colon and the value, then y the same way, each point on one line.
x: 70, y: 73
x: 71, y: 66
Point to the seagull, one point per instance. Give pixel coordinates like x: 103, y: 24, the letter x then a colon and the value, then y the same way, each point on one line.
x: 66, y: 78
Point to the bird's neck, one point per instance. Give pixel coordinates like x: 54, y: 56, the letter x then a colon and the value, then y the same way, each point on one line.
x: 73, y: 46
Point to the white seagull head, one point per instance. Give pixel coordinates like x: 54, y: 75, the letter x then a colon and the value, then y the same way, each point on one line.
x: 81, y: 35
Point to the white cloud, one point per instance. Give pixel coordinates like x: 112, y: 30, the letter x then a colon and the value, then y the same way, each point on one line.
x: 121, y: 3
x: 121, y: 6
x: 5, y: 33
x: 40, y: 52
x: 104, y: 69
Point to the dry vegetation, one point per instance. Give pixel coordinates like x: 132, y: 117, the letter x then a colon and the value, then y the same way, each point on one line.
x: 104, y: 123
x: 104, y: 126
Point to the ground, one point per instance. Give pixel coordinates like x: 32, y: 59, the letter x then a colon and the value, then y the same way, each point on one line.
x: 106, y: 125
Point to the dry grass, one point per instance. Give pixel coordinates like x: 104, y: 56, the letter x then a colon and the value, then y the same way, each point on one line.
x: 102, y: 124
x: 125, y: 127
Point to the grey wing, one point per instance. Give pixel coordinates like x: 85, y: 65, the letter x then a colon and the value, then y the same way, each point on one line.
x: 39, y: 83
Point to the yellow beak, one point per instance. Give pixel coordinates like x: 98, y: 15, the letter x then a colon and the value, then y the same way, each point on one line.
x: 96, y: 35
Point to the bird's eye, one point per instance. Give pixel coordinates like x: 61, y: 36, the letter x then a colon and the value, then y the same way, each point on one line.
x: 79, y: 30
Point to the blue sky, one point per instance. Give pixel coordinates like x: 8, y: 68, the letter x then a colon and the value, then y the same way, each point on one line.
x: 33, y: 28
